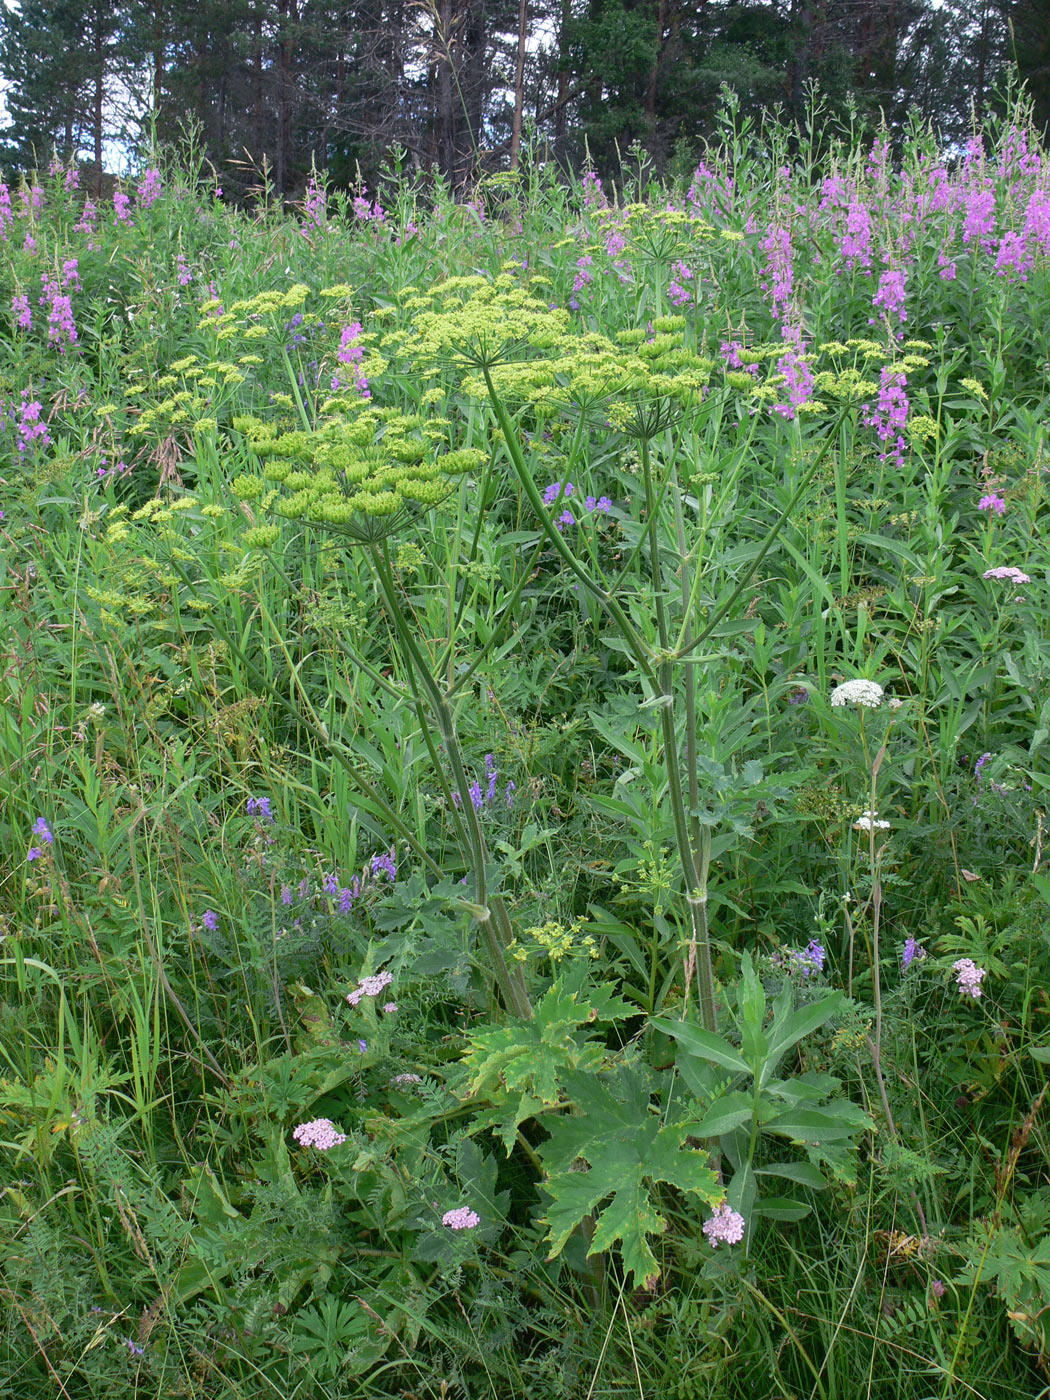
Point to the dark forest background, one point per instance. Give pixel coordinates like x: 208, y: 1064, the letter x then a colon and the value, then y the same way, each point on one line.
x: 453, y: 84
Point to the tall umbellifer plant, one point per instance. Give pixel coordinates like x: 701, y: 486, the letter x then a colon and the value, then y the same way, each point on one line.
x: 363, y: 470
x: 647, y: 389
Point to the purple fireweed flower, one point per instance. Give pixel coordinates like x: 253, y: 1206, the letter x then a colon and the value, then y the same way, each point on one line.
x: 182, y: 271
x: 993, y: 504
x: 462, y: 1218
x: 20, y: 310
x: 968, y: 977
x: 891, y: 414
x: 320, y: 1133
x: 979, y: 220
x: 911, y: 952
x: 315, y: 203
x: 149, y: 190
x: 799, y: 383
x: 780, y: 279
x: 947, y: 267
x: 121, y: 205
x: 1013, y: 259
x: 726, y: 1226
x: 70, y: 273
x: 855, y: 244
x: 889, y: 295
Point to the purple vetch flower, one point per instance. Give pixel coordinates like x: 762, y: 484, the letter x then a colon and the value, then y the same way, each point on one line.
x: 346, y: 899
x: 133, y: 1347
x: 210, y: 920
x: 968, y: 977
x: 384, y: 865
x: 462, y: 1218
x: 286, y: 895
x: 260, y: 807
x: 41, y: 829
x: 320, y: 1133
x: 911, y: 952
x: 993, y: 504
x: 330, y: 885
x: 34, y: 853
x: 508, y: 793
x: 809, y: 959
x: 726, y: 1226
x: 362, y: 1046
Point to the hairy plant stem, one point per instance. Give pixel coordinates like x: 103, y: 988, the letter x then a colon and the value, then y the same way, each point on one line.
x: 489, y: 909
x: 699, y: 955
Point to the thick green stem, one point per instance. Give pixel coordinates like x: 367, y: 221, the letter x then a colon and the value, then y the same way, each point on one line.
x: 489, y: 911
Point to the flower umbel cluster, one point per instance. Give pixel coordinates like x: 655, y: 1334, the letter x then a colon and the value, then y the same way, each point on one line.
x: 462, y: 1218
x: 726, y: 1226
x: 968, y: 977
x: 370, y: 987
x: 868, y: 694
x: 320, y: 1133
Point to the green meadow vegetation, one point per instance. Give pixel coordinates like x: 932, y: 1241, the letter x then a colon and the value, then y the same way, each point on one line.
x: 523, y: 780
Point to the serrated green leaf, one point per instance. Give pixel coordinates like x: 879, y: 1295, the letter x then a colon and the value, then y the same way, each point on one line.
x: 625, y: 1147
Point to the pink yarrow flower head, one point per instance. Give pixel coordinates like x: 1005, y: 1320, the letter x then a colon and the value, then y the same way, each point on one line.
x: 320, y: 1133
x: 968, y: 977
x: 462, y: 1218
x: 726, y: 1226
x: 370, y: 987
x: 1007, y: 573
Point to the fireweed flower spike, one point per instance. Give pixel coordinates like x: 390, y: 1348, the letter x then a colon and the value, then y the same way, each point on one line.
x: 993, y: 504
x: 726, y: 1226
x: 463, y: 1218
x: 320, y: 1133
x: 968, y: 977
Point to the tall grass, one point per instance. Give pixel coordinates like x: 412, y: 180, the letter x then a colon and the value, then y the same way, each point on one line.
x: 569, y: 768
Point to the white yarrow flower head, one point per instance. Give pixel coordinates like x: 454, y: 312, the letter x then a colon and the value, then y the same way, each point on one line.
x: 860, y: 692
x: 869, y: 821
